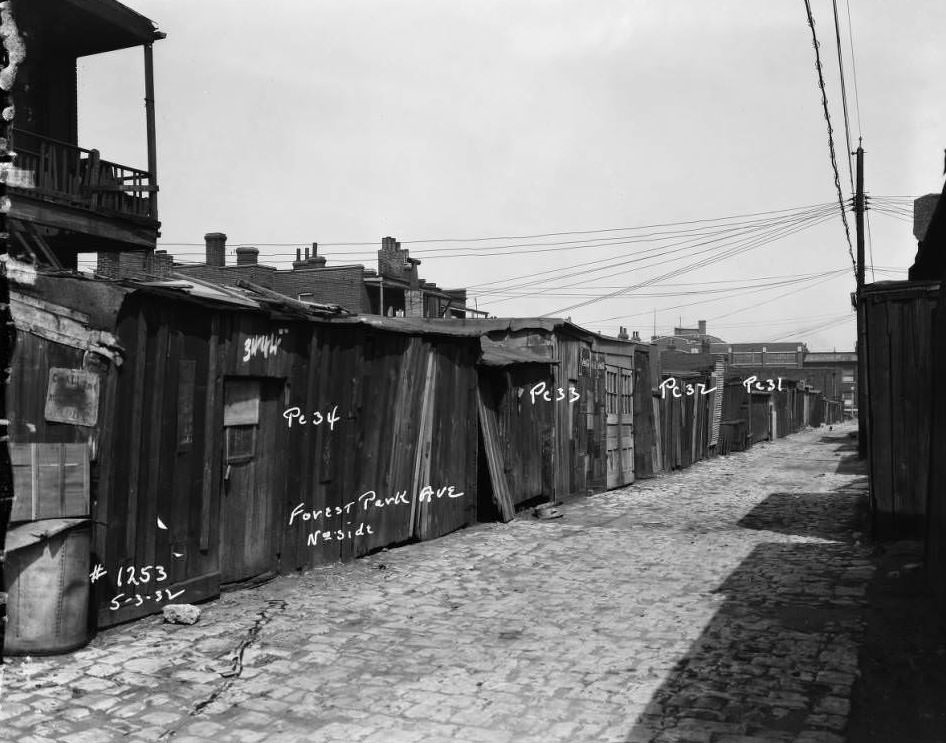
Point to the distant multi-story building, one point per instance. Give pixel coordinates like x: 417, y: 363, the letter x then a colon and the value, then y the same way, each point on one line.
x: 764, y: 354
x: 687, y: 340
x: 844, y: 363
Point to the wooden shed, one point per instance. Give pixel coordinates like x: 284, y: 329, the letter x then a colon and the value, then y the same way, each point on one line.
x: 898, y: 318
x: 227, y: 435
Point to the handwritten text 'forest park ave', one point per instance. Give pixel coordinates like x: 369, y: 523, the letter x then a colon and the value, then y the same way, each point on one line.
x: 370, y: 499
x: 295, y: 414
x: 367, y: 499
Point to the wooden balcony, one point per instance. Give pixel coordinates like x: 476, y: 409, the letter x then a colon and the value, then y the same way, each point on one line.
x: 74, y: 190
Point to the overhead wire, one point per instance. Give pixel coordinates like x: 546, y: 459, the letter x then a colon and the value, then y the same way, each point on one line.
x: 831, y: 275
x: 730, y: 252
x: 847, y: 126
x: 827, y: 116
x: 850, y: 36
x: 616, y: 262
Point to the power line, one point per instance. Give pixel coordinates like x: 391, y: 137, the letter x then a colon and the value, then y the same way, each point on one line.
x: 850, y: 37
x: 827, y: 116
x: 616, y: 262
x: 847, y: 127
x: 303, y: 243
x: 752, y: 290
x: 677, y: 272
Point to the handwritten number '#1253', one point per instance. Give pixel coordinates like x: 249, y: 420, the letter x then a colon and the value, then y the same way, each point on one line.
x: 143, y: 575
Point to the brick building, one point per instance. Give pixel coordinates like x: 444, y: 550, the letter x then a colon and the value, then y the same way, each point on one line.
x: 687, y: 340
x: 844, y: 365
x: 394, y: 289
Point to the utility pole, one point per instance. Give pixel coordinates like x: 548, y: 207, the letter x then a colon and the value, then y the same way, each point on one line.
x: 862, y: 431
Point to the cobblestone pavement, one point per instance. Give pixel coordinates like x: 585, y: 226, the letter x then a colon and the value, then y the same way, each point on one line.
x: 721, y: 604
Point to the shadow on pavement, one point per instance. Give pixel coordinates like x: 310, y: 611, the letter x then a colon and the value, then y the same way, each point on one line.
x: 901, y: 692
x: 780, y: 655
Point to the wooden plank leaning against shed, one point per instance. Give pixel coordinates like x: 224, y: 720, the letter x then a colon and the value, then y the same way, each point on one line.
x: 494, y: 455
x: 422, y: 456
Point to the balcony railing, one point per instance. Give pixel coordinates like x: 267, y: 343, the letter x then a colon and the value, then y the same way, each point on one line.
x: 71, y: 175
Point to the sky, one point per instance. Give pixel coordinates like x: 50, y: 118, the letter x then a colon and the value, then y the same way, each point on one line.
x: 681, y: 144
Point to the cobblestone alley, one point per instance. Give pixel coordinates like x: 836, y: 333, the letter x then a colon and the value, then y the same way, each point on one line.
x: 724, y: 604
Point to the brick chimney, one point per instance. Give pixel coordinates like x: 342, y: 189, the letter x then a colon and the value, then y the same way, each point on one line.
x: 316, y: 261
x: 622, y: 333
x: 923, y: 209
x: 702, y: 327
x: 162, y: 264
x: 247, y: 256
x: 216, y: 243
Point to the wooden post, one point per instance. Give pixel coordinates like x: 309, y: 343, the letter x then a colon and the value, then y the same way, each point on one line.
x: 12, y: 53
x: 862, y: 401
x: 152, y: 136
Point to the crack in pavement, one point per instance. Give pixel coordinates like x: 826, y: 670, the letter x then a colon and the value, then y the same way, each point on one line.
x: 263, y: 618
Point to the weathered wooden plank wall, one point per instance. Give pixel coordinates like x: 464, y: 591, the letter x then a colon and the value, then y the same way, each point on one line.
x: 644, y: 428
x: 936, y: 491
x: 898, y: 318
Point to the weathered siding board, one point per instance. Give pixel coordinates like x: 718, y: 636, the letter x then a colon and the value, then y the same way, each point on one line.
x: 644, y: 444
x: 936, y: 491
x: 150, y: 474
x: 525, y: 428
x: 453, y: 431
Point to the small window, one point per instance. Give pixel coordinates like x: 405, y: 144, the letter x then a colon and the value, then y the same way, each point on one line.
x: 611, y: 391
x: 241, y: 403
x: 627, y: 391
x: 241, y: 443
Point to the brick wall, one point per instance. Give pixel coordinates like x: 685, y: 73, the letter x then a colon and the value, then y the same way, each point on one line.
x: 344, y: 285
x: 229, y: 275
x: 134, y: 265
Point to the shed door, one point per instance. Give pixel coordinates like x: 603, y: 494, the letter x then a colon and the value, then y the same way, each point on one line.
x: 612, y: 408
x: 254, y: 483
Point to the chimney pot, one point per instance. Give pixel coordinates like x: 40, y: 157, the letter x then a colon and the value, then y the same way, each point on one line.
x: 216, y: 244
x: 247, y: 256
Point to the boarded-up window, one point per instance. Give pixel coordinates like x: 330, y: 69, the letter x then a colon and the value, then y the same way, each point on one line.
x: 185, y: 402
x: 241, y: 403
x: 50, y: 481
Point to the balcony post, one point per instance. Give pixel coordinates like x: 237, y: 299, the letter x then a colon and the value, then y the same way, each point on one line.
x: 152, y: 138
